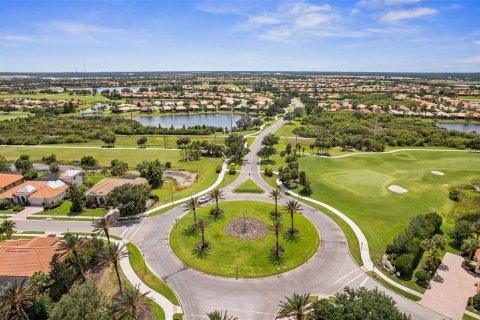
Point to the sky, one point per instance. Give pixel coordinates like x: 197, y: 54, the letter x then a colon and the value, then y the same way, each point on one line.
x: 241, y: 35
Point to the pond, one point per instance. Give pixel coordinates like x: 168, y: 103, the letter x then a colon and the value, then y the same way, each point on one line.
x: 460, y: 126
x: 221, y: 120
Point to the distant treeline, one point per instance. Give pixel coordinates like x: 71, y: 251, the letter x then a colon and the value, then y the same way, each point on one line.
x: 55, y: 130
x: 366, y: 132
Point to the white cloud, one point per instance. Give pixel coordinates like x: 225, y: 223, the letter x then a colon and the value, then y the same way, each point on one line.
x: 290, y: 21
x: 397, y: 15
x: 16, y: 38
x: 470, y: 60
x: 477, y: 42
x: 78, y: 28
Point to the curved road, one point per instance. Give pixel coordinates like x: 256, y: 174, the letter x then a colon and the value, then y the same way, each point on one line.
x: 327, y: 272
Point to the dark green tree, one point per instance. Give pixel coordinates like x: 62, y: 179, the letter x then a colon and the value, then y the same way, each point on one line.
x: 129, y: 199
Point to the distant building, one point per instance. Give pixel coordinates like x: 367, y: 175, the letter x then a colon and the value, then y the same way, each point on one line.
x: 99, y: 192
x: 9, y: 180
x: 71, y: 177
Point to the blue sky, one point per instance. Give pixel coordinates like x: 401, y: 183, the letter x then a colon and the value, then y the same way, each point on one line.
x: 330, y: 35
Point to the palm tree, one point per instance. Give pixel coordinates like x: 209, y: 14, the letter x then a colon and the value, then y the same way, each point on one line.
x: 476, y: 229
x: 130, y: 302
x: 15, y: 297
x: 193, y: 205
x: 113, y: 254
x: 277, y: 229
x: 275, y: 195
x: 433, y: 249
x: 202, y: 224
x: 74, y: 244
x: 216, y: 195
x: 8, y: 228
x: 103, y: 225
x: 469, y: 246
x: 292, y: 207
x: 297, y: 307
x: 220, y: 315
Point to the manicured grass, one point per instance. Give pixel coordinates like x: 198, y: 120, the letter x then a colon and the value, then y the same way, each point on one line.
x: 394, y: 288
x: 467, y: 317
x: 87, y: 100
x: 253, y: 257
x: 248, y: 187
x: 64, y: 210
x: 94, y: 178
x: 227, y: 179
x: 143, y: 272
x: 32, y: 217
x: 357, y: 186
x: 9, y: 211
x: 13, y: 115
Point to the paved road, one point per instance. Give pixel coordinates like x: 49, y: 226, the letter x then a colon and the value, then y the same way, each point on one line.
x: 329, y: 271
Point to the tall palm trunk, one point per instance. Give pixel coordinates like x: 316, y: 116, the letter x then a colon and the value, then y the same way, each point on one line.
x: 291, y: 218
x: 108, y: 236
x: 216, y: 201
x: 115, y: 266
x: 203, y: 238
x: 276, y: 207
x: 276, y: 246
x: 82, y: 272
x: 195, y: 217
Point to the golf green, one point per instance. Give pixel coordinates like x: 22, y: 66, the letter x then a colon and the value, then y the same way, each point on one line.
x: 250, y: 258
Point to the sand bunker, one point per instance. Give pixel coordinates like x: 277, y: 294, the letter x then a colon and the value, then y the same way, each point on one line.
x: 397, y: 189
x: 438, y: 173
x: 183, y: 179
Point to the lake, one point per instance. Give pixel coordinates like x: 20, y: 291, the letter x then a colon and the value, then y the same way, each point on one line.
x: 465, y: 127
x: 189, y: 120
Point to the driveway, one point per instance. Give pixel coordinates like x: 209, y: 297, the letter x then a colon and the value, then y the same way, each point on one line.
x: 450, y: 288
x: 22, y: 215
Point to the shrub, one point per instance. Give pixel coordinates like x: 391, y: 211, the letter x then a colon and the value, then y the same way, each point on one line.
x: 153, y: 197
x: 404, y: 263
x: 454, y: 194
x: 282, y: 153
x: 268, y: 172
x: 5, y: 205
x: 168, y: 164
x: 30, y: 175
x: 423, y: 277
x: 476, y: 301
x: 232, y: 169
x: 218, y: 169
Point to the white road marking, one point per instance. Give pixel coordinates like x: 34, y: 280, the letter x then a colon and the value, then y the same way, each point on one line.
x: 344, y: 276
x: 364, y: 281
x: 346, y: 284
x: 124, y: 231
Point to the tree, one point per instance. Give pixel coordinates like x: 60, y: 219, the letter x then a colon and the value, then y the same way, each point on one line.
x: 277, y: 227
x: 217, y: 195
x: 81, y: 302
x: 433, y: 249
x: 88, y: 161
x: 476, y: 229
x: 74, y: 244
x: 50, y: 159
x: 53, y: 168
x: 266, y: 152
x: 142, y: 142
x: 244, y: 122
x: 270, y: 140
x: 192, y: 205
x: 77, y: 197
x: 358, y: 304
x: 275, y: 195
x: 109, y: 139
x: 119, y: 169
x: 236, y: 147
x: 129, y: 199
x: 103, y: 224
x: 292, y: 207
x: 220, y: 315
x: 469, y: 246
x: 461, y: 230
x: 23, y: 164
x: 298, y: 307
x: 112, y: 255
x: 16, y: 296
x: 130, y: 303
x: 153, y: 172
x: 4, y: 164
x: 62, y: 275
x: 202, y: 224
x: 8, y: 227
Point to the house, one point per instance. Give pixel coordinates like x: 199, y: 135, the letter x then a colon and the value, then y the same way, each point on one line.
x: 9, y: 180
x: 37, y: 193
x: 71, y: 177
x: 99, y: 192
x: 22, y: 258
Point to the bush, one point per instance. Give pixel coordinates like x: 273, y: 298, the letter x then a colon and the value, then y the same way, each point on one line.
x: 5, y: 205
x: 232, y: 169
x: 282, y: 153
x: 54, y: 205
x: 30, y: 175
x: 404, y: 264
x: 168, y: 164
x: 218, y: 169
x: 454, y: 194
x: 153, y: 197
x: 476, y: 301
x: 423, y: 277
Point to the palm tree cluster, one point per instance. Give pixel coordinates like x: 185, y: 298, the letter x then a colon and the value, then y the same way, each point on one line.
x: 216, y: 195
x: 7, y: 228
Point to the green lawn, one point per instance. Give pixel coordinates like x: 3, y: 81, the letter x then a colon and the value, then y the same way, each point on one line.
x: 13, y: 115
x: 401, y: 292
x: 251, y: 256
x: 64, y: 210
x: 87, y: 100
x: 357, y: 186
x: 248, y: 187
x: 149, y: 278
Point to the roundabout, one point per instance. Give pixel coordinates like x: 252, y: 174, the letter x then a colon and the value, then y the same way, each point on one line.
x: 241, y: 241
